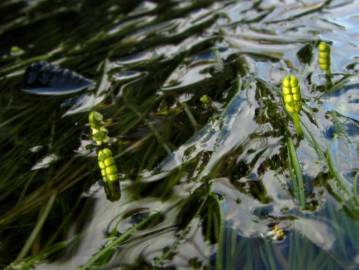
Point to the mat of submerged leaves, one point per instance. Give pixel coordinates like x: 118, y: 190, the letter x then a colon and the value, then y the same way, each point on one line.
x: 203, y: 183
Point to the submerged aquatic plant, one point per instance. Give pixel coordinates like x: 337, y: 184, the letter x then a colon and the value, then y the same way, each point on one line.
x: 324, y: 56
x: 292, y: 100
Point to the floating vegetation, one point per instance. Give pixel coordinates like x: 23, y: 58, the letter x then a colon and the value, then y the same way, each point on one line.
x: 292, y: 100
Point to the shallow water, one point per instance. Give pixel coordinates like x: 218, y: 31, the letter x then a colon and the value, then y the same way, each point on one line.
x: 179, y: 158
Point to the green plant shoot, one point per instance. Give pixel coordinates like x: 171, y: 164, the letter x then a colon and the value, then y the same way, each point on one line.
x: 105, y: 158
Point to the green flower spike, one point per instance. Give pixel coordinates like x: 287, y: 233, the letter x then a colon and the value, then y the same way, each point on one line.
x: 291, y: 94
x: 292, y: 100
x: 109, y: 174
x: 107, y: 165
x: 324, y: 56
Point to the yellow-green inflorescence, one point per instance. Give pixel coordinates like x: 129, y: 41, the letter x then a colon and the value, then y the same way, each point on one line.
x: 291, y: 94
x: 105, y: 158
x: 107, y: 165
x: 292, y: 99
x: 324, y: 56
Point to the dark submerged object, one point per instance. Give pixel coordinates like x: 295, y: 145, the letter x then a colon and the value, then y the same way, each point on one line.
x: 44, y: 78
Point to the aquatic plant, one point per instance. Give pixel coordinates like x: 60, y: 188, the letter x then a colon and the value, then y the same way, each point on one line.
x: 233, y: 142
x: 292, y: 100
x: 106, y: 161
